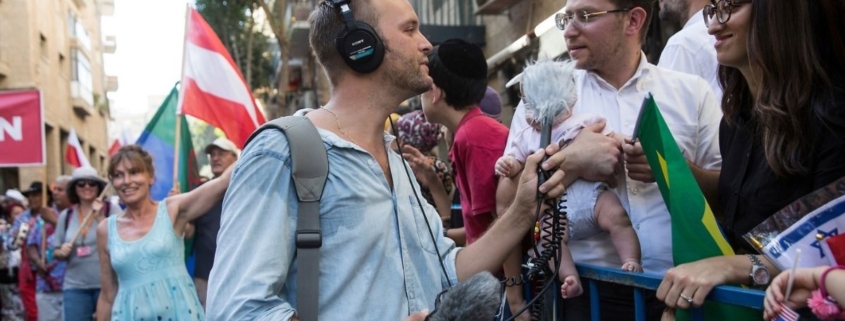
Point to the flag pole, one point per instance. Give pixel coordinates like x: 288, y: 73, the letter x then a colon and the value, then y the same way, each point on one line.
x: 176, y: 154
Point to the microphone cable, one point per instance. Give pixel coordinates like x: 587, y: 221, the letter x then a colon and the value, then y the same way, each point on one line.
x: 399, y: 144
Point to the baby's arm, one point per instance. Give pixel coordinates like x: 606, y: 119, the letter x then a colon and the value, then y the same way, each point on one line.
x: 508, y: 166
x: 612, y: 218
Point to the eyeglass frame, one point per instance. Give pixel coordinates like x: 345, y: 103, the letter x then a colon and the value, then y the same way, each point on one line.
x: 715, y: 6
x: 560, y: 17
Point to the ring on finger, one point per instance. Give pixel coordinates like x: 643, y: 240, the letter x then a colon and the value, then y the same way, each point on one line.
x: 686, y: 298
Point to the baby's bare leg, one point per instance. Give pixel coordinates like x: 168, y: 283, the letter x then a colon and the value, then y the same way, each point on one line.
x: 612, y: 218
x: 567, y: 274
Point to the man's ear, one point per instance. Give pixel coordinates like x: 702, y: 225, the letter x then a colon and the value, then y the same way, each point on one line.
x: 636, y: 21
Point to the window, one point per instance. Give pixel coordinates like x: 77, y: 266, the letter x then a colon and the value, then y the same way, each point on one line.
x: 78, y: 31
x: 80, y: 69
x: 43, y: 45
x: 62, y: 67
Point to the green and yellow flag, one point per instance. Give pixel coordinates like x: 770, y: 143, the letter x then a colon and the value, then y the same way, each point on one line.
x: 695, y: 233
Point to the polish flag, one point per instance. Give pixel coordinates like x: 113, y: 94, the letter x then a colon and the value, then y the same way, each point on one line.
x: 75, y: 155
x: 213, y: 88
x: 123, y: 140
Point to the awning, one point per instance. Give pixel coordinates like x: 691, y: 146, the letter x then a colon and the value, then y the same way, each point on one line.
x: 552, y: 44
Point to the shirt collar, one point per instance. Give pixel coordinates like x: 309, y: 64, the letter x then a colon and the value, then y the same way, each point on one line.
x: 696, y: 18
x: 472, y: 113
x: 639, y: 79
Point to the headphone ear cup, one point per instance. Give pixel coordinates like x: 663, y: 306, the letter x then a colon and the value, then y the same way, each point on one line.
x: 361, y: 49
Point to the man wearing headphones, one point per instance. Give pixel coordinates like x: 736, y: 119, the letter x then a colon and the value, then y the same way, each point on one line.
x: 383, y: 254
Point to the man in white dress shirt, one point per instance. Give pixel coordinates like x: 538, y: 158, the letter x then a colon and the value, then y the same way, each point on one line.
x: 604, y: 37
x: 691, y: 49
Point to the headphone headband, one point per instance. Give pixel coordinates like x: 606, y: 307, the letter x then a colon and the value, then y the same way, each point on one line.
x: 346, y: 13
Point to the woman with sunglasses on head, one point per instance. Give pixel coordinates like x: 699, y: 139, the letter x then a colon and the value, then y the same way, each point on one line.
x: 143, y: 270
x: 783, y: 131
x: 81, y: 285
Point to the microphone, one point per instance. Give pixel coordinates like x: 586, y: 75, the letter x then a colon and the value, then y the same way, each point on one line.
x: 549, y: 92
x: 476, y: 299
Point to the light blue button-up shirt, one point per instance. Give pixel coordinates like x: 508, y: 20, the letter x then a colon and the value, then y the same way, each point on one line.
x: 377, y: 262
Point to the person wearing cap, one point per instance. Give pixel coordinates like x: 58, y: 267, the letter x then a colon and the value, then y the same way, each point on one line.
x: 612, y: 78
x: 81, y: 284
x: 383, y: 254
x: 20, y: 230
x: 491, y: 104
x: 222, y: 153
x: 459, y: 72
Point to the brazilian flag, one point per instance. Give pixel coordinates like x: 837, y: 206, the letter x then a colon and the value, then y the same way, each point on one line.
x: 695, y: 233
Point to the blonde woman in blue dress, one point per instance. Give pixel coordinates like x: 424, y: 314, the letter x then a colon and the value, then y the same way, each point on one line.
x: 142, y: 263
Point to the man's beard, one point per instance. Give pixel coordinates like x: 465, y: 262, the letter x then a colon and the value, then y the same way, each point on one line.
x: 406, y: 74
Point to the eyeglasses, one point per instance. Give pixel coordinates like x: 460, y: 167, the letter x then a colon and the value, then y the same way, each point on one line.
x: 722, y: 10
x: 83, y: 182
x: 581, y: 18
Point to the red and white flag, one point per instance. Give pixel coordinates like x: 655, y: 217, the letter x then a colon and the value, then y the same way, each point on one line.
x: 123, y: 140
x: 213, y: 88
x: 75, y: 155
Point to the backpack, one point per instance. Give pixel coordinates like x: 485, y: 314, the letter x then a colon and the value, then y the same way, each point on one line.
x: 309, y: 170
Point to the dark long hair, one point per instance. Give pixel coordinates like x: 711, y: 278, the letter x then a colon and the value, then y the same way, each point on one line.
x: 795, y: 49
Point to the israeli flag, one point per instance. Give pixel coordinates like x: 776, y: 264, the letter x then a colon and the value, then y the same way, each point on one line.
x: 808, y: 234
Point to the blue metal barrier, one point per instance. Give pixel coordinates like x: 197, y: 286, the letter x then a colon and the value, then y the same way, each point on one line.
x: 645, y: 281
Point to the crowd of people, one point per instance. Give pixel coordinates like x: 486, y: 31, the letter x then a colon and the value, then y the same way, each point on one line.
x: 757, y: 117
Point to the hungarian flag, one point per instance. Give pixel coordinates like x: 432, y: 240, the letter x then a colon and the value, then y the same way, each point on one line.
x: 75, y: 155
x: 159, y: 139
x: 213, y: 89
x: 695, y: 233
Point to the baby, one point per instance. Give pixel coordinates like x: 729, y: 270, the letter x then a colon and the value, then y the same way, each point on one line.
x: 591, y: 208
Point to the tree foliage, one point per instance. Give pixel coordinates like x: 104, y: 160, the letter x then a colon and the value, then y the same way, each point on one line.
x: 233, y: 23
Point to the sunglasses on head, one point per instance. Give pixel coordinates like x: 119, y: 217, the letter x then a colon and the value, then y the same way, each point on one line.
x: 83, y: 182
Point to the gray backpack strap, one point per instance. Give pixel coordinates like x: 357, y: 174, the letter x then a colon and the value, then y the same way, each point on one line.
x: 310, y: 167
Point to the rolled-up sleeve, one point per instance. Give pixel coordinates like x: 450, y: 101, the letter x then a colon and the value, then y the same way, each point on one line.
x: 255, y: 243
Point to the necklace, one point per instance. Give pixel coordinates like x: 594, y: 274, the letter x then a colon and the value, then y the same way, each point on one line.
x: 339, y: 127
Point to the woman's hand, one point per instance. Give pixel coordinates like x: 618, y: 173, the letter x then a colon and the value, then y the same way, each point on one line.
x: 689, y: 284
x: 63, y: 251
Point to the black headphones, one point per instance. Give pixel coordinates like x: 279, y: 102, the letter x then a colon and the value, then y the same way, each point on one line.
x: 358, y: 43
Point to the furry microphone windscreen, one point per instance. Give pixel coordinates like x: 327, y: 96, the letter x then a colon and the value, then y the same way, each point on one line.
x: 476, y: 299
x: 548, y: 89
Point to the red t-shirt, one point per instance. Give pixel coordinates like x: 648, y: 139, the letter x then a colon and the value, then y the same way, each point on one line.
x: 479, y: 142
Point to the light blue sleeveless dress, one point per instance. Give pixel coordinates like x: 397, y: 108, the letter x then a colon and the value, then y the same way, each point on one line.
x: 153, y: 283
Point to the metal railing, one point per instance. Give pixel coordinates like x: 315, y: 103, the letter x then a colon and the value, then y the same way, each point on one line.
x: 447, y: 12
x: 644, y: 281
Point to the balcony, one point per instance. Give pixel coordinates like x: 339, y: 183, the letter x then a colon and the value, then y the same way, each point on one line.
x: 111, y: 84
x: 492, y: 7
x: 106, y: 8
x: 441, y: 20
x: 110, y: 45
x: 82, y: 99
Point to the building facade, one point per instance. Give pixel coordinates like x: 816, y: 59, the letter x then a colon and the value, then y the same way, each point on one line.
x: 57, y: 46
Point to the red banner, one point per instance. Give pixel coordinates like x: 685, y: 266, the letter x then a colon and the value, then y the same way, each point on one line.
x: 21, y: 128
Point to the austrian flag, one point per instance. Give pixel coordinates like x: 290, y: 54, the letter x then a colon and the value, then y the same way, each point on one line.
x: 213, y: 88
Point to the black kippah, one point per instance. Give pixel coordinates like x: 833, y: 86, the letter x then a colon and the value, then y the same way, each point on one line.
x: 463, y: 59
